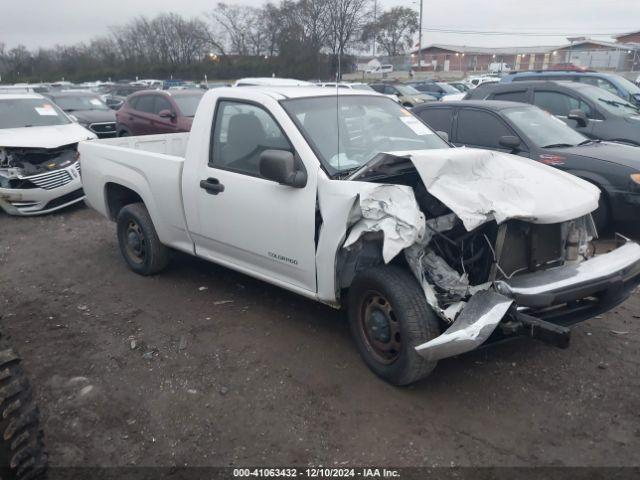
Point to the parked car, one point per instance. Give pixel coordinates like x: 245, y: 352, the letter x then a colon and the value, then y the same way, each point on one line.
x: 158, y: 111
x: 365, y: 87
x: 88, y: 110
x: 272, y: 82
x: 613, y: 83
x: 592, y: 111
x: 460, y: 86
x: 212, y: 85
x: 406, y: 94
x: 438, y: 90
x: 530, y: 132
x: 477, y: 80
x: 39, y: 171
x: 116, y: 95
x: 434, y: 251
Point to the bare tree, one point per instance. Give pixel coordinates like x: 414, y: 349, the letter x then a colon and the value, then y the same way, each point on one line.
x: 394, y: 30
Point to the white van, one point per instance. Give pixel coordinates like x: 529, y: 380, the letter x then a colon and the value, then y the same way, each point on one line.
x: 380, y: 69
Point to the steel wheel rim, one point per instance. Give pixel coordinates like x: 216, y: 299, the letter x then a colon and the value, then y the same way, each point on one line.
x: 135, y: 242
x: 380, y: 328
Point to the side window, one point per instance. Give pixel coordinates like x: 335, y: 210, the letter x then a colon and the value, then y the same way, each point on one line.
x: 559, y: 104
x: 242, y: 132
x: 161, y: 104
x: 390, y: 90
x: 145, y: 103
x: 134, y: 103
x: 439, y: 119
x: 519, y: 96
x: 480, y: 129
x: 378, y: 88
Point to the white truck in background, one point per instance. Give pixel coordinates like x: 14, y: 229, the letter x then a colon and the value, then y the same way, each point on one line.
x: 348, y: 199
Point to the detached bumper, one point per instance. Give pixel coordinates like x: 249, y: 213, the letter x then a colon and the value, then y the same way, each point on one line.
x: 551, y: 298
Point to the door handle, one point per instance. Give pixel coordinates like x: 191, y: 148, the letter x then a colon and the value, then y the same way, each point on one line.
x: 212, y: 186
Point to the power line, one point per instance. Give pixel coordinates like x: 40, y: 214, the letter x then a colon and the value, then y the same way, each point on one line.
x: 528, y: 34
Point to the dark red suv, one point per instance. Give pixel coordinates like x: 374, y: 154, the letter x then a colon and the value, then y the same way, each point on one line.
x: 157, y: 111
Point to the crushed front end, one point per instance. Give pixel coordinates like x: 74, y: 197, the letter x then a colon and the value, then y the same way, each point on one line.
x: 35, y: 181
x: 500, y: 247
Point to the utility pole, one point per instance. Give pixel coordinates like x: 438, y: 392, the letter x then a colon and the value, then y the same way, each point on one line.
x: 375, y: 22
x: 420, y: 39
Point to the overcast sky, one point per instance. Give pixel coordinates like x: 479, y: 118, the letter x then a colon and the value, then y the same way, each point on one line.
x: 36, y: 23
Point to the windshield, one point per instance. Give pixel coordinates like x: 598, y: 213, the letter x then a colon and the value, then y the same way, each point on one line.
x: 629, y: 86
x: 610, y: 102
x: 448, y: 88
x: 542, y: 128
x: 362, y: 87
x: 30, y: 112
x: 81, y: 102
x: 368, y: 126
x: 188, y: 104
x: 407, y: 90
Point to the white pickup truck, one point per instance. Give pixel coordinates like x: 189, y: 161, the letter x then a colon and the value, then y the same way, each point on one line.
x: 348, y: 199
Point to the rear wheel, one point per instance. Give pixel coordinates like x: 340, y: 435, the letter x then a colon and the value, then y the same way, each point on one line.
x: 124, y: 133
x: 139, y: 242
x: 389, y: 317
x: 22, y: 453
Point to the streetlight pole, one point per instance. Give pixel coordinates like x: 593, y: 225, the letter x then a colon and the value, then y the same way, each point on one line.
x: 420, y: 39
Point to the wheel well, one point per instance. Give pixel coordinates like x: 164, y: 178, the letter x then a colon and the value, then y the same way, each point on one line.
x: 118, y: 197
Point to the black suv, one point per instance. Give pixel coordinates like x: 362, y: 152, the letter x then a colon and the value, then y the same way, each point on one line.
x: 592, y: 111
x: 527, y: 131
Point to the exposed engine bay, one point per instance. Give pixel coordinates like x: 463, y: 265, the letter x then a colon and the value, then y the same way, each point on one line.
x: 18, y: 163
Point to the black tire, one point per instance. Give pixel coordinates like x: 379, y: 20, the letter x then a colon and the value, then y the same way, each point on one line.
x: 22, y: 452
x: 407, y: 314
x: 602, y: 216
x: 139, y: 242
x: 124, y: 133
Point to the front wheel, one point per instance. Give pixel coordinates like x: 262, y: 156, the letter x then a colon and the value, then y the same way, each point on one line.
x: 139, y: 242
x: 389, y: 317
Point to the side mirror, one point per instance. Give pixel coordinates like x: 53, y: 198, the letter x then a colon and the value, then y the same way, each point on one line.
x: 167, y: 114
x: 280, y: 166
x: 579, y: 116
x: 443, y: 135
x: 509, y: 142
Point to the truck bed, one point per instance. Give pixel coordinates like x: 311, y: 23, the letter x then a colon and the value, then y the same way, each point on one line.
x: 151, y: 166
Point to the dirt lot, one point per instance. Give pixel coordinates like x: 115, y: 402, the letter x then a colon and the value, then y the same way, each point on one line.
x: 204, y: 366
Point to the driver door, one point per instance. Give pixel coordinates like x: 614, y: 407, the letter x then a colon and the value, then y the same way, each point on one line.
x: 243, y: 220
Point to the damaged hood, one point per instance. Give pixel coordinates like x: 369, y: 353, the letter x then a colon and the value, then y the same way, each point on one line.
x: 481, y: 185
x: 44, y: 137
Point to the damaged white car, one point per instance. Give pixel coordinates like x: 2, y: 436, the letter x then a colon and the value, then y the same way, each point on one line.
x: 39, y: 170
x: 350, y: 200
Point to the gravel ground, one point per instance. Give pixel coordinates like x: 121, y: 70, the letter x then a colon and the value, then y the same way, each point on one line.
x: 204, y: 366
